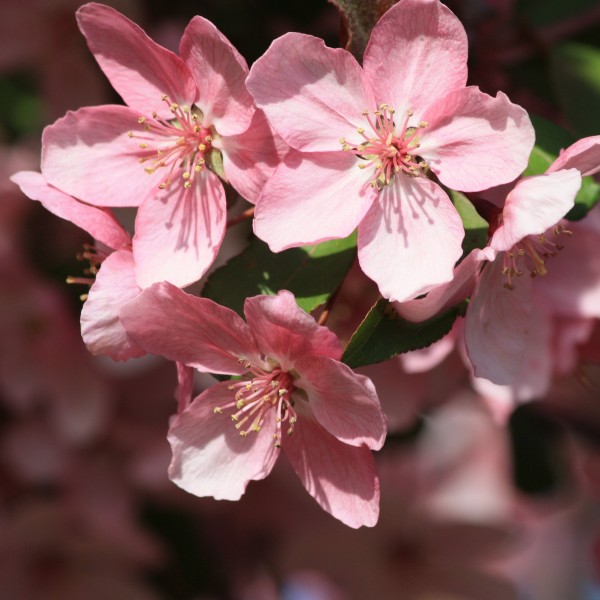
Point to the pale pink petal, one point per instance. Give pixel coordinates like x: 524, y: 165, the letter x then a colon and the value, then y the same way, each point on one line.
x: 312, y: 198
x: 583, y: 155
x: 221, y: 73
x: 343, y: 402
x: 571, y: 287
x: 250, y: 158
x: 194, y: 331
x: 497, y: 325
x: 474, y: 141
x: 341, y: 478
x: 534, y: 205
x: 88, y: 154
x: 417, y: 53
x: 313, y: 95
x: 425, y: 359
x: 444, y: 296
x: 285, y: 332
x: 139, y: 69
x: 101, y: 328
x: 410, y: 239
x: 98, y: 222
x: 210, y: 458
x: 177, y: 237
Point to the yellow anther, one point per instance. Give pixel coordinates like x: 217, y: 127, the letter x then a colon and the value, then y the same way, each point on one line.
x: 185, y: 108
x: 143, y: 145
x: 198, y: 168
x: 200, y: 162
x: 174, y: 107
x: 165, y: 98
x: 154, y: 115
x: 130, y: 134
x: 162, y: 186
x: 187, y: 185
x: 360, y: 130
x: 410, y: 112
x: 186, y: 175
x: 217, y: 410
x: 201, y: 147
x: 149, y: 170
x: 423, y: 124
x: 196, y: 129
x: 239, y: 404
x: 208, y: 139
x: 342, y: 141
x: 141, y: 120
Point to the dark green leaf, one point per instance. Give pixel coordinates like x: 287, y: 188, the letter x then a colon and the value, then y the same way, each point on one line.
x: 383, y: 334
x: 545, y: 12
x: 476, y: 227
x: 576, y: 76
x: 312, y: 273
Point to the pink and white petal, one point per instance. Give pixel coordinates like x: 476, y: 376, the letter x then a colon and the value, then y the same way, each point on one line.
x: 89, y: 154
x: 444, y: 296
x: 285, y: 332
x: 535, y: 205
x: 583, y: 155
x: 250, y: 158
x: 139, y: 69
x: 101, y: 328
x: 178, y: 236
x: 497, y: 325
x: 312, y: 95
x: 571, y: 287
x: 312, y: 198
x: 210, y: 457
x: 410, y: 240
x: 342, y: 402
x: 98, y: 222
x: 417, y: 53
x: 474, y: 141
x: 194, y: 331
x: 341, y: 478
x: 221, y: 73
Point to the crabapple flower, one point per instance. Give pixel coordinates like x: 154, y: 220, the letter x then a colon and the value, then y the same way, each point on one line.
x: 365, y: 140
x: 111, y: 275
x: 188, y: 119
x: 292, y: 394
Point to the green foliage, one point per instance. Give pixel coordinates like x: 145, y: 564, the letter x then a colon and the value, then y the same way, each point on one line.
x: 312, y: 273
x: 575, y: 70
x: 476, y: 227
x: 383, y: 334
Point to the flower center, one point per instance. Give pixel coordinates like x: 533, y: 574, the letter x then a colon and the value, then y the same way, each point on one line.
x: 388, y: 149
x: 531, y: 253
x: 95, y: 257
x: 261, y: 395
x: 177, y: 147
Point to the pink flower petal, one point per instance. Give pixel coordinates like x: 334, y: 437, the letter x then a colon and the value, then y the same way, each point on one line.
x: 497, y: 325
x: 250, y: 158
x: 139, y: 69
x: 444, y: 296
x: 343, y: 402
x: 474, y: 141
x: 417, y: 53
x: 313, y: 95
x: 177, y: 237
x: 410, y: 239
x: 341, y: 478
x: 88, y: 154
x: 571, y: 287
x: 220, y: 72
x: 285, y: 332
x: 534, y: 205
x: 101, y: 328
x: 98, y: 222
x: 210, y: 458
x: 312, y: 198
x: 583, y: 155
x: 185, y: 386
x: 194, y: 331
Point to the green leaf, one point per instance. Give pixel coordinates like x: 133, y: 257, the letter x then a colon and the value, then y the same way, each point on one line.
x: 311, y: 273
x: 575, y: 70
x: 476, y: 227
x: 550, y: 140
x: 383, y: 334
x: 359, y: 18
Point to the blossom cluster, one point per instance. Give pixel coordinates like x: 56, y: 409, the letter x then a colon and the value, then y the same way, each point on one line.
x: 321, y: 146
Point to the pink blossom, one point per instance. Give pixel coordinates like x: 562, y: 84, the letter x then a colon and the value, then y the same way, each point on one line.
x: 293, y: 394
x: 188, y: 119
x: 364, y: 140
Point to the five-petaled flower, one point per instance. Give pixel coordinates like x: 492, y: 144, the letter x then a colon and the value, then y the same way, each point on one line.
x: 189, y: 119
x: 292, y: 393
x: 364, y: 142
